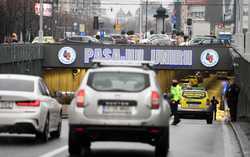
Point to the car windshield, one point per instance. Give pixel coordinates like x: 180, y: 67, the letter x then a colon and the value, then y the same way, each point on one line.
x: 194, y: 94
x: 196, y: 40
x: 118, y: 81
x: 16, y: 85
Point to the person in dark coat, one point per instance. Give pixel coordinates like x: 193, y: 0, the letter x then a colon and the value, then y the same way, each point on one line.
x: 214, y: 103
x: 232, y: 100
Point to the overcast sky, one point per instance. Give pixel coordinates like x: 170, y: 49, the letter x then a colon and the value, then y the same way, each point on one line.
x: 126, y: 5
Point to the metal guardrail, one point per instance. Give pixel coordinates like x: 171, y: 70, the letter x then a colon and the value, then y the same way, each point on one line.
x: 21, y: 59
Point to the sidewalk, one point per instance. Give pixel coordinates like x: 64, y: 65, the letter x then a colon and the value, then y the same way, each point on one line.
x: 242, y: 132
x: 241, y: 128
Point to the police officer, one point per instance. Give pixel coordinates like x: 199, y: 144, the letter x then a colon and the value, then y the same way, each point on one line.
x: 176, y: 93
x: 232, y: 94
x: 214, y: 103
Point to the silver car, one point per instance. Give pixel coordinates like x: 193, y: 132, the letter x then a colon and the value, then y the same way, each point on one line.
x: 27, y: 107
x: 119, y: 102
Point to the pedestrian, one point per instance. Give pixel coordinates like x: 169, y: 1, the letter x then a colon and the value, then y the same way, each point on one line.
x: 232, y: 94
x: 175, y: 96
x: 214, y: 103
x: 225, y: 86
x: 14, y: 38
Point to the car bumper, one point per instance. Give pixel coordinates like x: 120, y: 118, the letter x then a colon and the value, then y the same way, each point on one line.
x: 194, y: 114
x: 19, y: 122
x: 158, y: 118
x: 148, y: 135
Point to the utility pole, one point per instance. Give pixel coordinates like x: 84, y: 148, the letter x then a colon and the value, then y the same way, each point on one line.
x: 248, y: 16
x: 248, y: 31
x: 140, y: 19
x: 24, y: 22
x: 146, y: 26
x: 239, y: 36
x: 41, y: 22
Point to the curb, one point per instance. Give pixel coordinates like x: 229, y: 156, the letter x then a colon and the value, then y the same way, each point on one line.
x: 241, y: 138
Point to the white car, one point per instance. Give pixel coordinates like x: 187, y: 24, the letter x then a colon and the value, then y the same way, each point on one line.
x: 27, y: 107
x: 119, y: 102
x: 46, y: 39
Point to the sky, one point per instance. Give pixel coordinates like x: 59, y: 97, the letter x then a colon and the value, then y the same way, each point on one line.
x: 126, y: 5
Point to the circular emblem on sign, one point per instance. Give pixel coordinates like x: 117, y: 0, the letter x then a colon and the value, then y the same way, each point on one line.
x: 209, y: 58
x: 67, y: 55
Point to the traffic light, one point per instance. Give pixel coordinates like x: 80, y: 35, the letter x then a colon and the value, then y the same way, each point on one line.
x: 96, y: 23
x: 189, y: 22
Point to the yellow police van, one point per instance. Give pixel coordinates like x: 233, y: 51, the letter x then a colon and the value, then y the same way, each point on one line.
x: 195, y: 104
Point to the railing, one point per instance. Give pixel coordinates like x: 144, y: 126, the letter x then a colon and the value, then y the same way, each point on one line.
x: 21, y: 59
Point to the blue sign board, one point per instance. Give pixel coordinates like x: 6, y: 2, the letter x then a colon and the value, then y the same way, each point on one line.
x: 102, y: 33
x: 173, y: 19
x: 170, y: 57
x: 82, y: 33
x: 158, y: 56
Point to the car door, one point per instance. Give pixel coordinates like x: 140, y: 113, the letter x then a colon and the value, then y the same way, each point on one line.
x: 50, y: 104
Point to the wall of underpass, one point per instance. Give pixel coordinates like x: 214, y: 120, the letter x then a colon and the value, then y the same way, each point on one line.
x: 68, y: 80
x: 242, y: 72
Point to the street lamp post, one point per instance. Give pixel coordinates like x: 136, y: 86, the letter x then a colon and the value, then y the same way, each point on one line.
x: 41, y: 22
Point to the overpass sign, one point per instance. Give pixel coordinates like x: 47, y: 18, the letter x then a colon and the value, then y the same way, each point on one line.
x: 210, y: 57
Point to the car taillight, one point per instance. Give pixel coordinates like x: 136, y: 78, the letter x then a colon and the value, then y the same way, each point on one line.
x: 154, y: 130
x: 155, y: 100
x: 79, y: 130
x: 208, y: 102
x: 80, y: 98
x: 35, y: 103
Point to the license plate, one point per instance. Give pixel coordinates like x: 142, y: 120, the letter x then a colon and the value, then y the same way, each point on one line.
x: 6, y: 105
x: 194, y: 105
x: 117, y: 110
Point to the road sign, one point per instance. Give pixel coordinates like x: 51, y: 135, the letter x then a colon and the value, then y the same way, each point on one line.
x: 173, y: 19
x: 102, y: 33
x: 118, y: 27
x: 82, y: 33
x: 82, y: 28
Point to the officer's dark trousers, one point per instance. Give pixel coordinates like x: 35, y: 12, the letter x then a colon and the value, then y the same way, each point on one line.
x: 174, y: 107
x: 233, y: 111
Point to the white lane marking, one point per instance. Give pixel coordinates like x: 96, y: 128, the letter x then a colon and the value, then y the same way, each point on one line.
x: 227, y: 145
x: 55, y: 152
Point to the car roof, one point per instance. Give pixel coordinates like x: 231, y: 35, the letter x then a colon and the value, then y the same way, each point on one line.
x: 19, y: 77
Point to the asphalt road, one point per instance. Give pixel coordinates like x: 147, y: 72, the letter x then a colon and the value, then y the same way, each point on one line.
x: 190, y: 138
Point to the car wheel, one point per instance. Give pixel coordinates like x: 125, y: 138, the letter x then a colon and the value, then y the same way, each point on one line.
x: 210, y: 119
x: 57, y: 133
x: 44, y: 136
x: 74, y: 146
x: 162, y: 146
